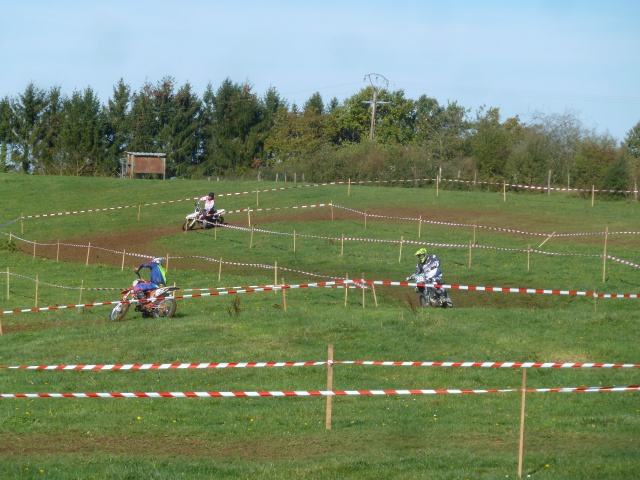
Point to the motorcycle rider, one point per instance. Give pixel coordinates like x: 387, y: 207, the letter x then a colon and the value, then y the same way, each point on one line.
x: 428, y: 271
x: 209, y: 206
x: 157, y: 275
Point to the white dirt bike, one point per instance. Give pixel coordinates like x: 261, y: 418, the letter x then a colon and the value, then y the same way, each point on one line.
x: 199, y: 217
x: 158, y: 303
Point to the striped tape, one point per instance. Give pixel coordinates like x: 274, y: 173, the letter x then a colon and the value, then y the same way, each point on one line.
x: 233, y: 291
x: 219, y: 365
x: 313, y: 393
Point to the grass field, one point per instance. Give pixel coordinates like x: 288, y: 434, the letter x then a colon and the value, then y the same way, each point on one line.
x: 443, y: 436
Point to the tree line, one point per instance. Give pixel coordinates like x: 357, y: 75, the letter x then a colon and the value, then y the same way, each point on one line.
x: 234, y: 132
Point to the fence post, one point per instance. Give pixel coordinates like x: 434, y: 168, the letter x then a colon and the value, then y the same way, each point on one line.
x: 88, y: 251
x: 329, y: 386
x: 400, y: 256
x: 284, y: 296
x: 522, y: 416
x: 346, y: 290
x: 220, y: 270
x: 604, y: 256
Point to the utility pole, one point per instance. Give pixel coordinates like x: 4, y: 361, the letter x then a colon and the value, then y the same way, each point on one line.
x: 374, y: 101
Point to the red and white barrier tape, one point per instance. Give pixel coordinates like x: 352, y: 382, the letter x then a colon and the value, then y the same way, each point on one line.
x: 218, y: 365
x: 501, y: 289
x: 312, y: 393
x: 355, y: 281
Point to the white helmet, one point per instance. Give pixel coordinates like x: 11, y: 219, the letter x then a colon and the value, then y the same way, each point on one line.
x: 136, y: 282
x: 157, y: 260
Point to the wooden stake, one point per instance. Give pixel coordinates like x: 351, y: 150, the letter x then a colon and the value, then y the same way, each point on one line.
x: 419, y: 226
x: 346, y: 290
x: 528, y: 257
x: 547, y: 239
x: 122, y: 268
x: 522, y: 416
x: 58, y: 251
x: 332, y: 210
x: 342, y: 246
x: 275, y: 277
x: 329, y: 386
x: 88, y: 251
x: 249, y: 216
x: 469, y: 253
x: 167, y: 265
x: 595, y: 300
x: 284, y: 296
x: 400, y: 256
x: 21, y: 224
x: 549, y: 184
x: 365, y: 219
x: 437, y: 185
x: 604, y: 256
x: 375, y: 298
x: 34, y: 249
x: 363, y: 289
x: 474, y: 235
x: 7, y: 283
x: 294, y: 242
x: 220, y: 270
x: 593, y: 191
x: 139, y: 207
x: 349, y: 189
x: 504, y: 190
x: 81, y: 287
x: 251, y: 241
x: 257, y: 198
x: 37, y: 283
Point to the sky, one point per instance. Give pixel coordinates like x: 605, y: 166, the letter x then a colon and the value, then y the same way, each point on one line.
x: 528, y: 58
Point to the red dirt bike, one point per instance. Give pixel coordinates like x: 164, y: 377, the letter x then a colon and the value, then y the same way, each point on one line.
x: 199, y: 217
x: 158, y: 303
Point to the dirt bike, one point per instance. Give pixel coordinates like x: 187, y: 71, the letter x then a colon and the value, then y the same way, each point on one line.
x: 431, y: 296
x: 155, y: 304
x: 200, y: 217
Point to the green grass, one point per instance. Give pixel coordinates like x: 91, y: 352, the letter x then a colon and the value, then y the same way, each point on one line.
x: 571, y: 435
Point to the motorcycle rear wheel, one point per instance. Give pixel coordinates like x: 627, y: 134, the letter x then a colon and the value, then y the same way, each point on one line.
x: 119, y: 311
x: 164, y: 308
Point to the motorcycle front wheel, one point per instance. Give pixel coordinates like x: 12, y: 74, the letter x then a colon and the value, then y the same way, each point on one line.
x: 188, y: 224
x: 119, y: 311
x: 164, y: 308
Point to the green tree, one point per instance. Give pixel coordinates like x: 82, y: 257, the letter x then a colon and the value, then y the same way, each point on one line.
x: 26, y: 112
x: 440, y: 129
x: 118, y: 128
x: 5, y: 133
x: 46, y: 152
x: 490, y: 143
x: 631, y: 152
x: 594, y: 156
x: 184, y: 132
x: 82, y: 135
x: 236, y: 118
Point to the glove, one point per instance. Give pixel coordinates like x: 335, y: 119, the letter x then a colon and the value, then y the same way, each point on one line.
x: 135, y: 270
x: 409, y: 278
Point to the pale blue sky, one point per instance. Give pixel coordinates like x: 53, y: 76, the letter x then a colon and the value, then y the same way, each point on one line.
x: 524, y: 57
